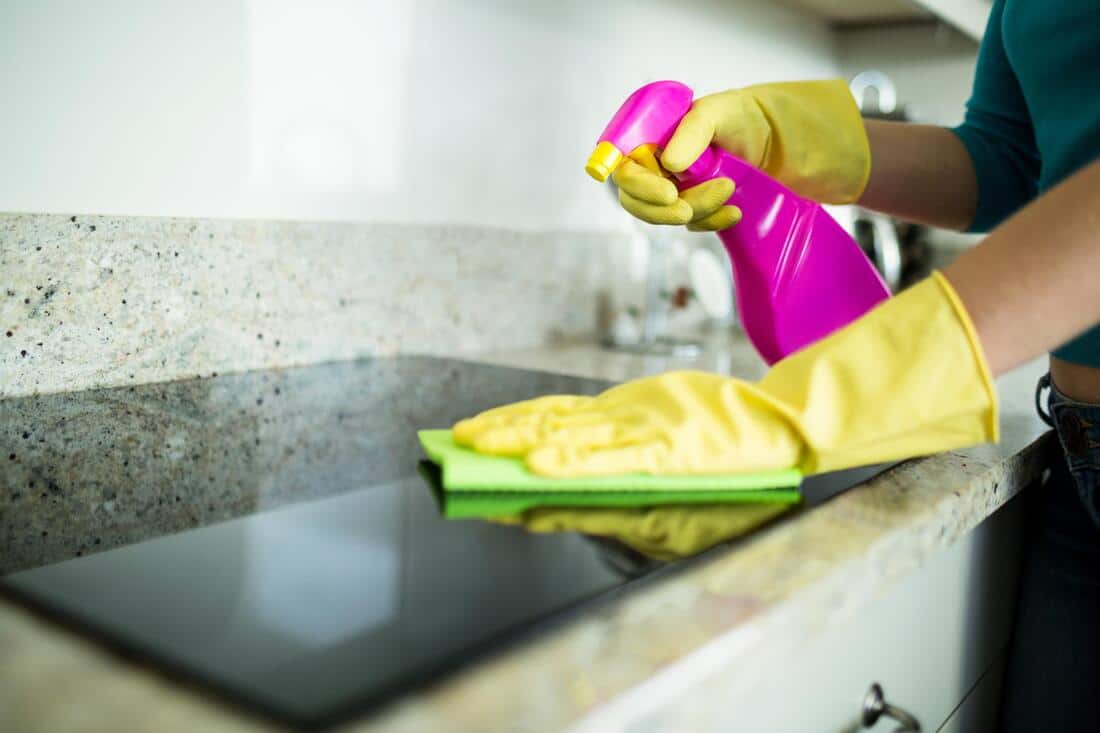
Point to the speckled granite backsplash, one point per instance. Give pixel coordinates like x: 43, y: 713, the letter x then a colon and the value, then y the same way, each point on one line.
x: 106, y: 301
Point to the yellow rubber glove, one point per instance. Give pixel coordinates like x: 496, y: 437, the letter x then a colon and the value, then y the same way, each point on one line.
x: 907, y: 379
x: 652, y: 196
x: 665, y: 533
x: 809, y: 135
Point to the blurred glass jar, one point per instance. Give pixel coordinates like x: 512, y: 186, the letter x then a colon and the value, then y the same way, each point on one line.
x: 665, y: 285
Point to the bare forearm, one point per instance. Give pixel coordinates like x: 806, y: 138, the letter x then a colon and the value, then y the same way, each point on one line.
x: 920, y: 173
x: 1031, y: 285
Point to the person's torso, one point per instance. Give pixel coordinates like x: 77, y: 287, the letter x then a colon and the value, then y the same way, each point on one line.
x: 1053, y: 47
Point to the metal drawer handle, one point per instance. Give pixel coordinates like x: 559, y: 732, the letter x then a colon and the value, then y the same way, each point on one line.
x: 875, y: 706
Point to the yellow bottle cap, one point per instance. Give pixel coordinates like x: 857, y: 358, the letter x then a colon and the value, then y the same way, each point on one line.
x: 603, y: 161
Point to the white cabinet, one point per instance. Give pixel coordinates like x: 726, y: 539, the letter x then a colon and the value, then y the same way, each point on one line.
x: 849, y: 12
x: 935, y: 642
x: 968, y: 16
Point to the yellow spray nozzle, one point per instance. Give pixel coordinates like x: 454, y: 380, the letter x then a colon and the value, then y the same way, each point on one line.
x: 603, y: 161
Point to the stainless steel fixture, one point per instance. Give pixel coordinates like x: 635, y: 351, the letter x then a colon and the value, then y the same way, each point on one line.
x: 875, y: 707
x: 899, y: 250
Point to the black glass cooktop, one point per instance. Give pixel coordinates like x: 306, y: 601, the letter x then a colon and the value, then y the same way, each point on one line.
x: 316, y: 609
x: 341, y: 585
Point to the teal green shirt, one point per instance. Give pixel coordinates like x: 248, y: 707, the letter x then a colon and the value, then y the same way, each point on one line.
x: 1033, y: 118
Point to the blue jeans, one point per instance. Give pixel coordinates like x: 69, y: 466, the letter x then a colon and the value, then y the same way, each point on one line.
x: 1053, y: 674
x: 1078, y: 427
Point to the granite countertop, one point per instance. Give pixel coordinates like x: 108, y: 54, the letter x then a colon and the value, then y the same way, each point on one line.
x: 753, y: 602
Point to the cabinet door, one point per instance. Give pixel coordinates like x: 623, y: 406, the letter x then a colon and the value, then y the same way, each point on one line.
x: 928, y: 641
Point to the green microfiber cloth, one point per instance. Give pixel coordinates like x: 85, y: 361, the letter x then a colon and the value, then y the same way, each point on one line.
x: 476, y: 485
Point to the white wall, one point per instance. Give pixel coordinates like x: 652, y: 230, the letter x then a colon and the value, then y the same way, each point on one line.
x: 469, y: 111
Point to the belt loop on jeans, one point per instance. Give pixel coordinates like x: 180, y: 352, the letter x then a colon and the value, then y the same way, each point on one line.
x: 1044, y: 383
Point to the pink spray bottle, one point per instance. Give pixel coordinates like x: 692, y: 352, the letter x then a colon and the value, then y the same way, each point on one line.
x: 798, y: 275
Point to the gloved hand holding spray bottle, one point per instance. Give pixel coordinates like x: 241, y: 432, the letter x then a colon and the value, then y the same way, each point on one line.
x: 798, y: 275
x: 858, y: 378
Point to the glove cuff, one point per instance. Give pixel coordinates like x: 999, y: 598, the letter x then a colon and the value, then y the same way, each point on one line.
x: 985, y: 376
x: 907, y: 379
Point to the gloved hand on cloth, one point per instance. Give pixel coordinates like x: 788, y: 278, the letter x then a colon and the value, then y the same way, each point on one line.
x: 908, y: 378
